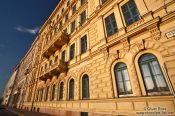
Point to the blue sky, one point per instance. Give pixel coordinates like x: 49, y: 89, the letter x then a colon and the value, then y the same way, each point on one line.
x: 20, y: 21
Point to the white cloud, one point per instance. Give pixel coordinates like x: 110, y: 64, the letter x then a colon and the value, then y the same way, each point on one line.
x: 27, y: 30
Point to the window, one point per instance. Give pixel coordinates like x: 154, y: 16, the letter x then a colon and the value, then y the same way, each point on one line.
x: 84, y: 44
x: 63, y: 57
x: 65, y: 31
x: 72, y: 51
x: 82, y: 2
x: 152, y: 74
x: 84, y: 113
x: 103, y: 1
x: 50, y: 63
x: 71, y: 89
x: 37, y: 95
x: 130, y: 12
x: 46, y: 40
x: 41, y: 69
x: 47, y: 93
x: 45, y: 66
x: 62, y: 11
x: 82, y: 17
x: 53, y: 92
x: 61, y: 91
x: 41, y: 96
x: 60, y: 24
x: 72, y: 26
x: 66, y: 17
x: 122, y: 79
x: 56, y: 59
x: 111, y: 26
x: 68, y: 2
x: 85, y: 87
x: 74, y: 9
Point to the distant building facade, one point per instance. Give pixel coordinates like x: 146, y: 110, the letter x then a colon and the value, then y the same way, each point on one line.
x: 10, y: 86
x: 104, y: 57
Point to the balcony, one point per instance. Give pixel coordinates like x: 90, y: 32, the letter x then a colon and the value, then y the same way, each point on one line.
x: 53, y: 70
x: 57, y: 41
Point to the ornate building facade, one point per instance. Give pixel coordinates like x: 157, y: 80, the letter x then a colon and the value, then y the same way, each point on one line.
x: 104, y: 57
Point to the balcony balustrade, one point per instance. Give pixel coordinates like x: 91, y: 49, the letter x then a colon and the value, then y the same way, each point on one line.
x: 58, y: 40
x: 53, y: 70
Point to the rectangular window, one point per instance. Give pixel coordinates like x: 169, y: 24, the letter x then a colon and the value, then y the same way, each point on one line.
x: 82, y: 17
x: 84, y: 113
x: 56, y: 59
x: 65, y: 31
x: 63, y: 56
x: 83, y: 44
x: 111, y: 25
x: 41, y: 69
x: 103, y: 1
x: 45, y: 66
x: 130, y: 12
x: 68, y: 2
x: 72, y: 51
x: 66, y: 18
x: 60, y: 24
x: 72, y: 26
x: 74, y: 9
x: 82, y: 2
x: 50, y: 63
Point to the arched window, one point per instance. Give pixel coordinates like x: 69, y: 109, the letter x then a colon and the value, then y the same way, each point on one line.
x: 85, y: 87
x: 122, y: 79
x: 47, y: 93
x: 61, y: 91
x: 71, y: 89
x: 152, y: 75
x: 41, y: 96
x: 53, y: 92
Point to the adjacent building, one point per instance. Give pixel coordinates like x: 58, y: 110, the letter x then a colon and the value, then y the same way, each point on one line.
x: 10, y: 86
x: 104, y: 57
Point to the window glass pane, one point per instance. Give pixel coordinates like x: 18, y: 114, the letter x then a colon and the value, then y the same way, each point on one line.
x: 123, y: 81
x: 103, y: 1
x: 83, y: 44
x: 56, y: 58
x: 130, y: 12
x: 85, y: 86
x: 111, y: 26
x: 82, y: 17
x: 149, y: 83
x: 84, y: 113
x: 119, y: 76
x: 72, y: 51
x: 147, y: 77
x: 157, y: 74
x: 82, y: 2
x: 152, y: 74
x: 63, y: 55
x: 128, y: 86
x: 73, y: 26
x: 74, y: 9
x: 146, y: 71
x: 71, y: 89
x: 125, y: 74
x: 121, y: 88
x: 61, y: 91
x: 53, y: 92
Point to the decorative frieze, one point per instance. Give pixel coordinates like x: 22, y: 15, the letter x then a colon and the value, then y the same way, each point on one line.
x: 155, y: 32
